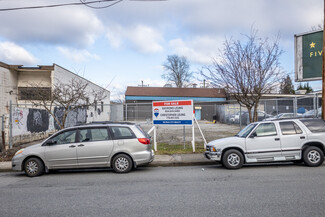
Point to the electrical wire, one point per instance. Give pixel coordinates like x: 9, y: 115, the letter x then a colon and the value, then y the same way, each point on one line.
x: 66, y: 4
x: 101, y: 7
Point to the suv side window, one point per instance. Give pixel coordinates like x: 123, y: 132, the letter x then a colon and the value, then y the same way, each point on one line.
x: 266, y: 129
x: 65, y: 137
x: 122, y: 133
x: 93, y: 134
x: 289, y: 128
x: 314, y: 125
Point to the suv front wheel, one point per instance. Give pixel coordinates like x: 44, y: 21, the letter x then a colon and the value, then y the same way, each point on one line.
x: 313, y: 156
x: 233, y: 159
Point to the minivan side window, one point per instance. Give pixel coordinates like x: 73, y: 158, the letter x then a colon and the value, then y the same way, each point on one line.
x: 266, y: 129
x: 65, y: 137
x: 290, y: 128
x: 122, y: 133
x: 93, y: 134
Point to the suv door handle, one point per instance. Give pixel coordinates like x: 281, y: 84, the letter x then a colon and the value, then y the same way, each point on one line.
x: 72, y: 146
x: 302, y: 137
x: 81, y: 145
x: 277, y: 139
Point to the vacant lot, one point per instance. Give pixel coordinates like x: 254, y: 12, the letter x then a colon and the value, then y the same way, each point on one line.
x: 175, y: 134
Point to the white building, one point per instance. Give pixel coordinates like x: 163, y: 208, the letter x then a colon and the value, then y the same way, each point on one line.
x: 16, y: 85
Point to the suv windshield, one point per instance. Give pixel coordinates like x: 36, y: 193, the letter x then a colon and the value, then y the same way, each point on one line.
x: 244, y: 132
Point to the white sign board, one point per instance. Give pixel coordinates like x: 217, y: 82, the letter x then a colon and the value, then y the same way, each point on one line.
x: 172, y: 112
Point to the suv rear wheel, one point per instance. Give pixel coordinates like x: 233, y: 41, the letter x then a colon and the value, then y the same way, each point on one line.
x: 233, y: 159
x: 313, y: 156
x: 122, y: 163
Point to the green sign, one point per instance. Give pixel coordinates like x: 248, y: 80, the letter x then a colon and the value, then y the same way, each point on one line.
x: 308, y: 56
x: 312, y: 55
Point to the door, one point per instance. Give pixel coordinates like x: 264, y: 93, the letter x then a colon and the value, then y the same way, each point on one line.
x: 63, y: 152
x: 198, y: 114
x: 94, y: 147
x: 292, y: 139
x: 264, y: 143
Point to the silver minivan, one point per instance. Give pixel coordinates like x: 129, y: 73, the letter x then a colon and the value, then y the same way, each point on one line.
x: 122, y: 146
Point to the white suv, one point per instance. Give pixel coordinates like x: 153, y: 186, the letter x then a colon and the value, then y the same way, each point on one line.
x: 271, y: 141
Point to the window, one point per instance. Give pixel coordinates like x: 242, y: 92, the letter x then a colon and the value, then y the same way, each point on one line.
x: 315, y: 125
x: 34, y: 93
x: 290, y: 128
x: 244, y: 132
x: 122, y: 133
x: 93, y: 134
x: 65, y: 137
x: 266, y: 129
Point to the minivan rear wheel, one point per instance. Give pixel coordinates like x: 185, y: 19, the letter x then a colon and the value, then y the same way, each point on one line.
x: 122, y: 163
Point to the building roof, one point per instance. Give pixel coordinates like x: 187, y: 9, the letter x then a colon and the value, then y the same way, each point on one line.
x: 176, y: 92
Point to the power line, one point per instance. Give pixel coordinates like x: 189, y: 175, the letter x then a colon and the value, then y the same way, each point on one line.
x: 66, y: 4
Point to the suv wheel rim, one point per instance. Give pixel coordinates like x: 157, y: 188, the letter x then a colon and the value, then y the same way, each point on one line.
x: 313, y: 156
x: 122, y: 163
x: 233, y: 160
x: 32, y: 167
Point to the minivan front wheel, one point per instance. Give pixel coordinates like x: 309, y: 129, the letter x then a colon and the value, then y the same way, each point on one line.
x: 33, y: 167
x: 233, y: 159
x: 122, y: 163
x: 313, y: 156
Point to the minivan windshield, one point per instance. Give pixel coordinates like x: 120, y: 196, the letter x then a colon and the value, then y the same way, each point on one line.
x: 244, y: 132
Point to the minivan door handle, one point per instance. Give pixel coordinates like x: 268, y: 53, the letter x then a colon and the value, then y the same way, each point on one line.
x: 302, y: 137
x: 277, y: 139
x: 72, y: 146
x: 81, y: 145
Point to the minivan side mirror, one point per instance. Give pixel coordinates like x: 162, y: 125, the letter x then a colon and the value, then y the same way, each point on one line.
x: 253, y: 135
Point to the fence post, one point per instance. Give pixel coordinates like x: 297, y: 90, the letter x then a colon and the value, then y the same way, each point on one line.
x: 295, y: 107
x: 240, y: 114
x: 317, y: 107
x: 10, y: 125
x: 126, y: 112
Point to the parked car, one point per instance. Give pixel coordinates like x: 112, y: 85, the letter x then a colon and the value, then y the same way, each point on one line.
x: 235, y: 117
x: 283, y: 116
x: 272, y: 141
x: 260, y: 116
x: 122, y: 146
x: 313, y: 113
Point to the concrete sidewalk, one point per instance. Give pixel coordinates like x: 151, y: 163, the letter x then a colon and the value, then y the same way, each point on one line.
x: 160, y: 160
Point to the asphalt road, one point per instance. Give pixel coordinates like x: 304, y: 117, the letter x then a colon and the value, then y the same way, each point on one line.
x: 268, y: 190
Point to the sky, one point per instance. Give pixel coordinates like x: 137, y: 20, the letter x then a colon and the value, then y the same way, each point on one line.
x: 127, y: 43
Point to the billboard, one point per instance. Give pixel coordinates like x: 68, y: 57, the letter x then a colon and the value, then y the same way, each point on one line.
x: 308, y: 56
x: 172, y: 112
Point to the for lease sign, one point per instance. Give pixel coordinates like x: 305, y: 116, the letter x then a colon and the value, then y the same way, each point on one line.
x: 172, y: 112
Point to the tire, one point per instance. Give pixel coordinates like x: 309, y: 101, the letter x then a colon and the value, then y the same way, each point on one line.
x: 233, y: 159
x: 313, y: 156
x: 33, y: 167
x: 122, y: 163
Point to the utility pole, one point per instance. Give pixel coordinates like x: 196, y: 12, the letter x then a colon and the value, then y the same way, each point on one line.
x: 323, y: 70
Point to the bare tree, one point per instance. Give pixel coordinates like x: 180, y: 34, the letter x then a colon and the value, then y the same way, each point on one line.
x: 247, y: 70
x: 177, y: 70
x: 69, y: 96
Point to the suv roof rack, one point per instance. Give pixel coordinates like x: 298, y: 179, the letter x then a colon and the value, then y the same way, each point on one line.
x: 110, y: 122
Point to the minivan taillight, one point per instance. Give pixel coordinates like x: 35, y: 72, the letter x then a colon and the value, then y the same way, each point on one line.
x: 145, y: 141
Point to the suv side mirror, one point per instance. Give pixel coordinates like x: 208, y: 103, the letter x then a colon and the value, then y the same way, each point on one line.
x: 253, y: 135
x: 50, y: 142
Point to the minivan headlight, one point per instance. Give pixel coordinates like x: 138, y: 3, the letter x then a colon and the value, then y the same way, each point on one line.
x: 19, y: 152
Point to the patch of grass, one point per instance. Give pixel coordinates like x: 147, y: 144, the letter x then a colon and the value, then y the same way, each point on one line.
x: 168, y: 149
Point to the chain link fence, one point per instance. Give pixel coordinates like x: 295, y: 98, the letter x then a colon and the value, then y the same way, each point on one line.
x: 26, y: 123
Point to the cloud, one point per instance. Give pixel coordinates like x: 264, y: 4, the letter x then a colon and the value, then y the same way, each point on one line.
x: 201, y: 49
x: 73, y: 26
x: 13, y: 54
x: 143, y: 38
x: 77, y: 55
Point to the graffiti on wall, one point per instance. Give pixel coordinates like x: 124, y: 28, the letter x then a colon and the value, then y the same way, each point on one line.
x: 19, y: 121
x: 74, y: 117
x: 37, y: 120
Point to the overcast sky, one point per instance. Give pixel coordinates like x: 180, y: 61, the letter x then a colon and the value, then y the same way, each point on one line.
x: 128, y: 42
